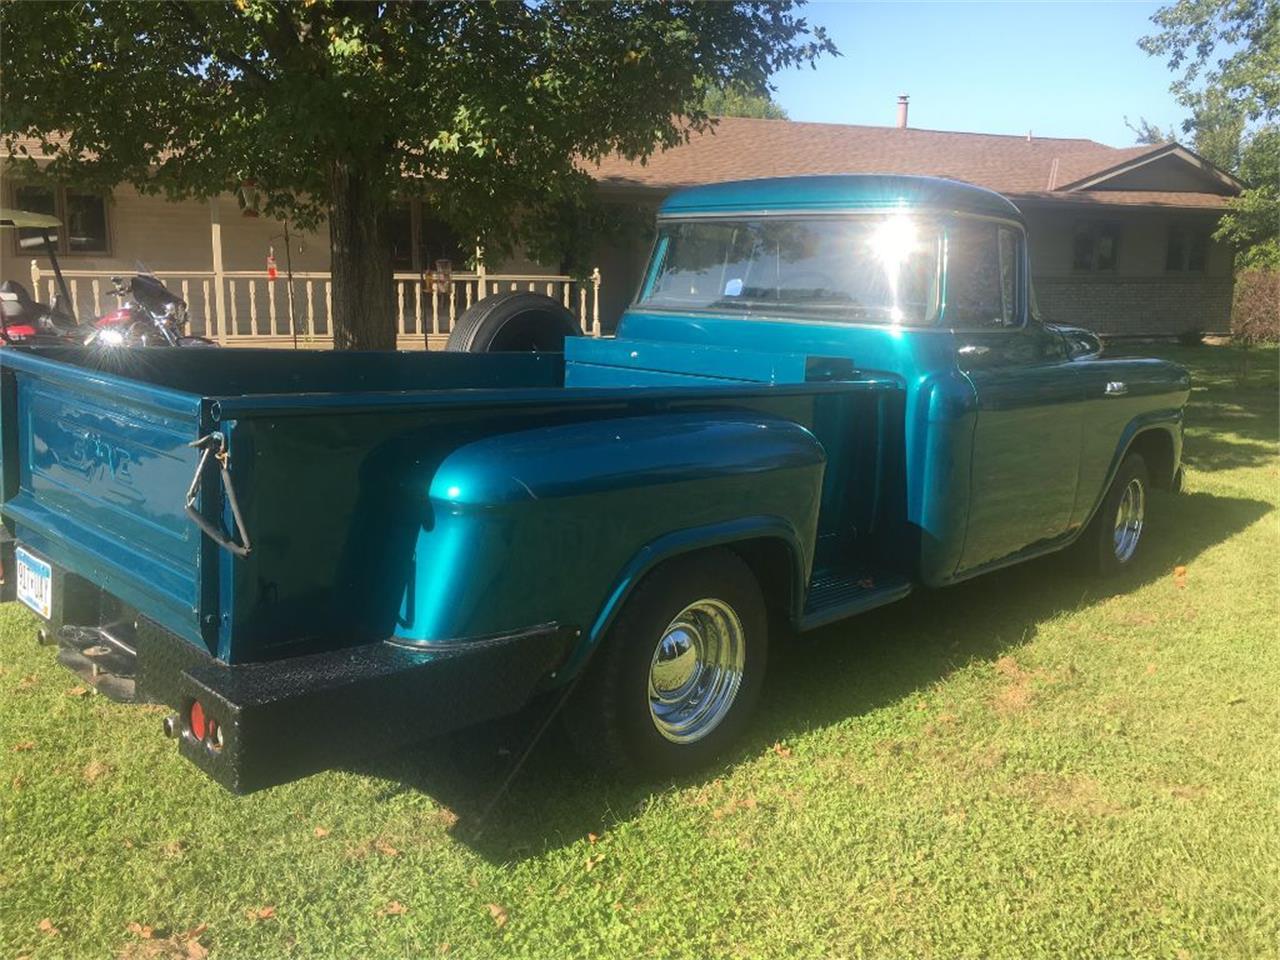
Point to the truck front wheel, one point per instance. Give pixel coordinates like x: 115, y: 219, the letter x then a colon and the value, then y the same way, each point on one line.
x: 1116, y: 534
x: 679, y: 671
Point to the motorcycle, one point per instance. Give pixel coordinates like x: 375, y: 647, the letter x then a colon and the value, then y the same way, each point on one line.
x: 148, y: 315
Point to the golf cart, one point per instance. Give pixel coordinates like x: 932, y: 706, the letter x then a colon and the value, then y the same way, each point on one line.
x: 22, y: 318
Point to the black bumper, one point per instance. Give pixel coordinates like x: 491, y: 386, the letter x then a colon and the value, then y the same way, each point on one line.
x: 289, y: 718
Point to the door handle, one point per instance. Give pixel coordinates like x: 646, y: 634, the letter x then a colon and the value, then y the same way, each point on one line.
x: 1116, y: 388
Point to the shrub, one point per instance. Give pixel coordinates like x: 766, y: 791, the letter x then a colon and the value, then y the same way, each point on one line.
x: 1255, y: 313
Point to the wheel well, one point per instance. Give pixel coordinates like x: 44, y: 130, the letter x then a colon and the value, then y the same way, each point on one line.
x: 773, y: 566
x: 1156, y: 449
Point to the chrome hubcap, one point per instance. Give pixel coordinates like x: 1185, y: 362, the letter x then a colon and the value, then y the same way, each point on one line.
x: 696, y: 670
x: 1129, y: 516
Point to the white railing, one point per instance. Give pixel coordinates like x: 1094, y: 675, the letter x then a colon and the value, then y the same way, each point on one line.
x: 248, y: 308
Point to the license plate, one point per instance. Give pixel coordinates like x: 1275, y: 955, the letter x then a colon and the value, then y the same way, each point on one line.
x: 35, y: 582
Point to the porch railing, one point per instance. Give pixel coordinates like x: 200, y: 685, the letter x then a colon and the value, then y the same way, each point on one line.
x: 248, y: 307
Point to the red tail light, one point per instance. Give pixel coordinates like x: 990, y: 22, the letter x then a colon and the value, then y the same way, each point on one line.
x: 198, y: 725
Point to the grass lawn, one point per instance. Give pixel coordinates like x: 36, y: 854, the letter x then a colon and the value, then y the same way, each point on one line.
x: 1032, y: 764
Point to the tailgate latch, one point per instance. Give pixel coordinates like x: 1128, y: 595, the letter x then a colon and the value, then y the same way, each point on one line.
x: 215, y: 445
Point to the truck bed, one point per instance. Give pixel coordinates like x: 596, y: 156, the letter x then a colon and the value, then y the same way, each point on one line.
x: 333, y: 459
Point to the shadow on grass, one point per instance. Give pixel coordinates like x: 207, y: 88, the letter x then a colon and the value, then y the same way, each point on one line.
x: 1211, y: 453
x: 510, y: 811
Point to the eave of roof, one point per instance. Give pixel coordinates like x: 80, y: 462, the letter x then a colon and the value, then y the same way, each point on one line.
x: 1155, y: 199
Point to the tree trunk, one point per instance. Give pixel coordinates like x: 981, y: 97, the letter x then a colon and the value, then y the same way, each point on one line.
x: 363, y: 291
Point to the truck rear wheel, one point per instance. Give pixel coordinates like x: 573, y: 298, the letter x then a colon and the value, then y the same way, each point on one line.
x: 679, y: 672
x: 513, y: 321
x: 1115, y: 536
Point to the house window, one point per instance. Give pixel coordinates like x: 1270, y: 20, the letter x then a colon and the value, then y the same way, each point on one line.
x: 82, y: 212
x: 1095, y: 246
x: 399, y: 226
x: 436, y: 240
x: 1187, y: 250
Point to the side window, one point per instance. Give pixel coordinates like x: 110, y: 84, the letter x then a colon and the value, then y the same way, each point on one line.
x: 83, y: 215
x: 1095, y: 246
x: 398, y: 222
x: 1187, y: 250
x: 37, y: 199
x: 984, y: 276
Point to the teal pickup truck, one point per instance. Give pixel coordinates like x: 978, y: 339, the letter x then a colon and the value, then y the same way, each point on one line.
x: 829, y: 392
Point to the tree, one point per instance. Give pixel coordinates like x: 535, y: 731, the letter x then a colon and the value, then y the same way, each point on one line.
x: 1217, y: 128
x: 736, y: 102
x: 334, y: 108
x: 1235, y: 105
x: 1147, y: 133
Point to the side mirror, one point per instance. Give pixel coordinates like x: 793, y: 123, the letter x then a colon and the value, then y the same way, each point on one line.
x: 1081, y: 343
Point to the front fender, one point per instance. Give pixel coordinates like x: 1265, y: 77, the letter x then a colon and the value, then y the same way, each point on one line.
x: 549, y: 525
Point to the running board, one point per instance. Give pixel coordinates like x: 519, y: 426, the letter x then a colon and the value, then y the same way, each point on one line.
x: 836, y: 594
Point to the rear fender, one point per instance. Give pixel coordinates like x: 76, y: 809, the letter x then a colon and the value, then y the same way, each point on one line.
x: 557, y: 524
x: 681, y: 542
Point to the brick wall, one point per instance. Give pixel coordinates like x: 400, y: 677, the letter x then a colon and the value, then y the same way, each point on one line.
x: 1136, y: 306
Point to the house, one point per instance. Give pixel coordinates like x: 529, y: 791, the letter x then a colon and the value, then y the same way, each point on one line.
x: 1120, y: 237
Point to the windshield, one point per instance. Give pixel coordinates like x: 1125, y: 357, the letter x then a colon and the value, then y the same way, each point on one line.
x: 881, y: 269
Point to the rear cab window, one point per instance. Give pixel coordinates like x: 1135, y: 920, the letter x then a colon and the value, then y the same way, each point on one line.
x: 839, y: 269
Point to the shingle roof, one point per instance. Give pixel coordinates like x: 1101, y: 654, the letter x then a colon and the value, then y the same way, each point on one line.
x: 741, y: 148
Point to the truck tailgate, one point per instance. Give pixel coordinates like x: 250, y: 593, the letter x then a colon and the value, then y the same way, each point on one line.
x: 96, y: 469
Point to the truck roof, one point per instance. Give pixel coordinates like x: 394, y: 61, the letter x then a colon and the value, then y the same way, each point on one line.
x: 844, y: 192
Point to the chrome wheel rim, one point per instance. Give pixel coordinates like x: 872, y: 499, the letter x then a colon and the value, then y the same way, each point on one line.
x: 696, y: 670
x: 1129, y: 517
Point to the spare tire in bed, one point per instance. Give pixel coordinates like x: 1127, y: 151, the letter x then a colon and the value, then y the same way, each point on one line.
x: 513, y: 321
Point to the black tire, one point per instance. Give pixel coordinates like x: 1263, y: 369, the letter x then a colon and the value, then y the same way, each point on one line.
x: 513, y: 321
x: 609, y: 716
x: 1100, y: 551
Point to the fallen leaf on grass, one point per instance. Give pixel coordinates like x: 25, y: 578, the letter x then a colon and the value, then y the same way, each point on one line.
x: 782, y: 750
x: 24, y: 746
x: 46, y: 927
x: 393, y: 909
x: 141, y: 930
x: 386, y: 849
x: 78, y: 692
x: 260, y: 913
x: 180, y: 946
x: 733, y: 806
x: 444, y: 948
x: 593, y: 838
x: 27, y: 682
x: 499, y: 915
x: 1179, y: 571
x: 320, y: 833
x: 94, y: 771
x: 593, y: 862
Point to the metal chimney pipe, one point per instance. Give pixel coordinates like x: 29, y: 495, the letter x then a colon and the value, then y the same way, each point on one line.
x: 902, y: 111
